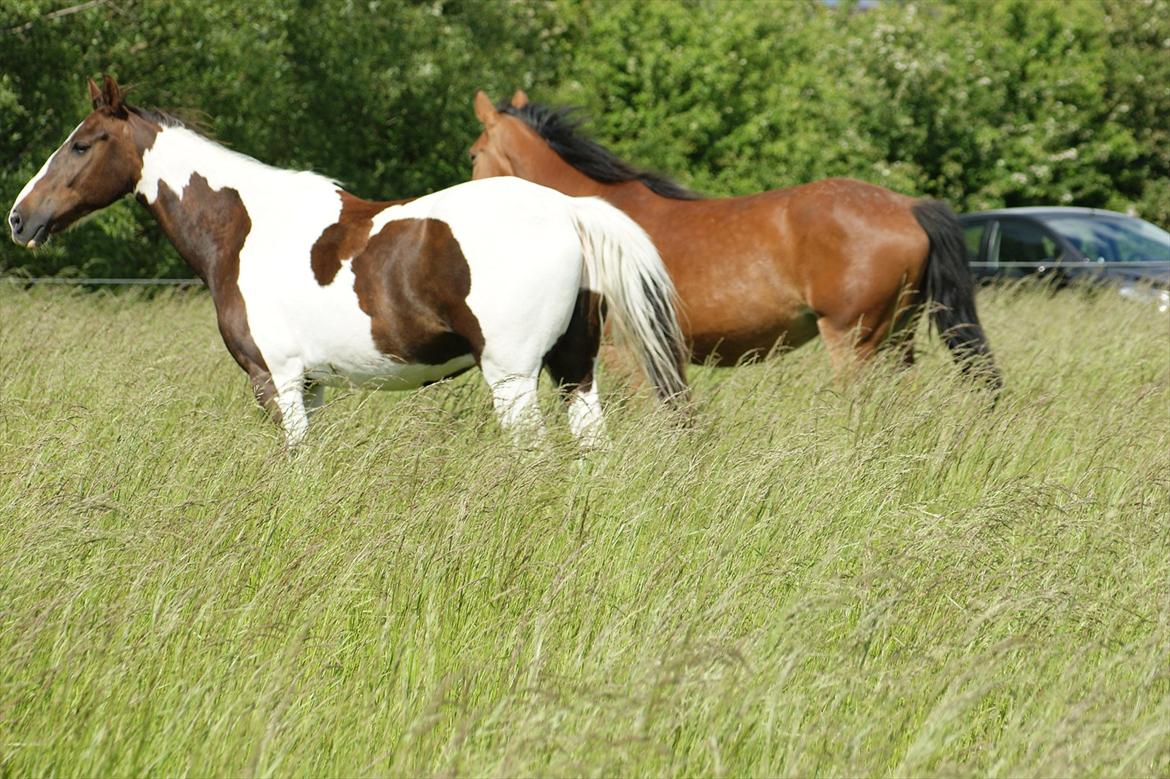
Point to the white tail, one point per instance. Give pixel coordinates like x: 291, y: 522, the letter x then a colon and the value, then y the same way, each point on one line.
x: 625, y: 268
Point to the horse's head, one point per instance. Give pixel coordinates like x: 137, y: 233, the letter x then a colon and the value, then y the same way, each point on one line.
x: 489, y: 155
x: 99, y: 162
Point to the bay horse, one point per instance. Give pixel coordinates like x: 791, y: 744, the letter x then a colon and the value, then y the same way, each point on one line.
x: 850, y: 260
x: 312, y: 285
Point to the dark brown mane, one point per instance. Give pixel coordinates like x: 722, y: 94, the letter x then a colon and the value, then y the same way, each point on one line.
x: 562, y: 131
x: 193, y: 121
x: 155, y: 115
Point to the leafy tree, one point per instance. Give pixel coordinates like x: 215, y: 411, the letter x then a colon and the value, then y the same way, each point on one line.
x: 983, y: 102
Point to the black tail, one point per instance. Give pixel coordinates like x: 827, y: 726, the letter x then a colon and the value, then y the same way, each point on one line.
x: 950, y: 289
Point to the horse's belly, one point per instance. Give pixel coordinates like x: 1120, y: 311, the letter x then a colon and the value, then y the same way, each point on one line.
x: 335, y: 344
x: 732, y: 336
x: 388, y: 374
x: 322, y: 333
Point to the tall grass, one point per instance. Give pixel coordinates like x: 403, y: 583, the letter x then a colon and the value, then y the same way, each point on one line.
x: 885, y: 577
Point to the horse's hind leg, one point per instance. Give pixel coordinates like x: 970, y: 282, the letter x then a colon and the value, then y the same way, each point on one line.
x: 515, y: 400
x: 572, y: 364
x: 579, y: 390
x: 852, y: 342
x: 512, y: 377
x: 585, y: 420
x: 901, y: 335
x: 854, y: 337
x: 512, y: 372
x: 848, y: 343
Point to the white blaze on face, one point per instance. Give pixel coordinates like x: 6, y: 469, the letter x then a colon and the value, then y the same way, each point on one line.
x: 40, y: 175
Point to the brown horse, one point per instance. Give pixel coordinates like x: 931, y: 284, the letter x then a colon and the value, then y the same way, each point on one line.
x: 848, y: 259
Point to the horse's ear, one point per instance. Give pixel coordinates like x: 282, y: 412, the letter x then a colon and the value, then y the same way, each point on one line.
x: 112, y: 93
x: 519, y: 99
x: 484, y: 110
x: 95, y: 94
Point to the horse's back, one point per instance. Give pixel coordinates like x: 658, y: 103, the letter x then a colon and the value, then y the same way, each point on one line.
x: 847, y: 222
x: 843, y: 244
x: 501, y: 219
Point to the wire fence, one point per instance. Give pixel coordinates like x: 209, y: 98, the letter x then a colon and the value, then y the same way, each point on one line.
x: 84, y: 282
x: 81, y: 282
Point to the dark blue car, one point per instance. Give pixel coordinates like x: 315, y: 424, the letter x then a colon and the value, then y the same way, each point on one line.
x: 1069, y: 243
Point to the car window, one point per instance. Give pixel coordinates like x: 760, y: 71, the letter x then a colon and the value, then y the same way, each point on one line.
x: 1019, y: 241
x: 1109, y: 239
x: 973, y: 237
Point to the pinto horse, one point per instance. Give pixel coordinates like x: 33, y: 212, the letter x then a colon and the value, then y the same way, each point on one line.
x: 850, y: 260
x: 312, y: 285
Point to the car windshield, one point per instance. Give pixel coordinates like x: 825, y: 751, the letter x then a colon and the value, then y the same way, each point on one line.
x: 1113, y: 238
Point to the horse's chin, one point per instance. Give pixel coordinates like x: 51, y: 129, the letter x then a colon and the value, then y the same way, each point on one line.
x: 39, y: 238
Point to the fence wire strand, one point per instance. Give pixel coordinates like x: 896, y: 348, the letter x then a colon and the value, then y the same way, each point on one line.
x: 102, y: 282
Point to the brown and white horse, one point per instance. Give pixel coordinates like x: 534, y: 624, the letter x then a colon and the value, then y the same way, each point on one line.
x: 844, y: 258
x: 313, y: 285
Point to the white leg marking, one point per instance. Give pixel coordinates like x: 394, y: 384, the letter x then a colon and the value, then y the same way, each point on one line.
x: 585, y: 420
x: 515, y: 399
x: 289, y: 383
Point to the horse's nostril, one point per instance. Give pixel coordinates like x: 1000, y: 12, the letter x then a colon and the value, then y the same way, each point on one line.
x: 15, y: 220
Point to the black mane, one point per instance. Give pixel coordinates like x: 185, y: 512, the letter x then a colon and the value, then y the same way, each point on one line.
x: 562, y: 131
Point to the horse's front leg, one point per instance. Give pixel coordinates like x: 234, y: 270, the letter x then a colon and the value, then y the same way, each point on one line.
x: 285, y: 408
x: 288, y: 382
x: 286, y: 402
x: 265, y: 391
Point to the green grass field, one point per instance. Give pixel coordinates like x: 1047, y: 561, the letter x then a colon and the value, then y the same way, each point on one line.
x: 881, y: 578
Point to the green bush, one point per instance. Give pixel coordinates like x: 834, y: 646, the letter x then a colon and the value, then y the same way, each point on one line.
x: 985, y: 103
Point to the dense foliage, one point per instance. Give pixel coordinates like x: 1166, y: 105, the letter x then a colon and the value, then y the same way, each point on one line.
x: 983, y: 102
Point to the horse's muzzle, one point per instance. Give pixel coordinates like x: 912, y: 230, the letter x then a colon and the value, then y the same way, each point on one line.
x: 28, y: 233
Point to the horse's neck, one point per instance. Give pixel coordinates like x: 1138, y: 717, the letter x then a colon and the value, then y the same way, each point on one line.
x: 539, y: 163
x: 192, y: 186
x: 544, y: 166
x: 200, y: 194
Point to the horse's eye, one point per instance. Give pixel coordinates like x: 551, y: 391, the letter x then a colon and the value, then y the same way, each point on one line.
x: 80, y: 148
